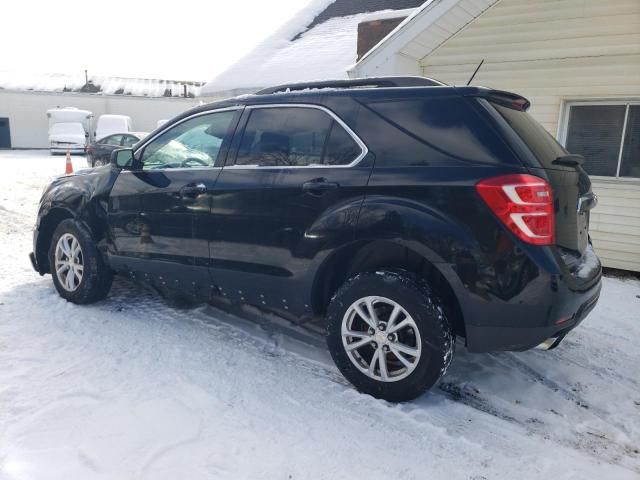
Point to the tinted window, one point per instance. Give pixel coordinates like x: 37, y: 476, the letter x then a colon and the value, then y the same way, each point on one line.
x: 541, y: 143
x: 294, y: 136
x: 429, y: 131
x: 193, y: 143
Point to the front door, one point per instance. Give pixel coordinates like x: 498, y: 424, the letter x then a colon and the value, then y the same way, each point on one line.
x: 295, y: 185
x: 5, y: 133
x: 153, y: 208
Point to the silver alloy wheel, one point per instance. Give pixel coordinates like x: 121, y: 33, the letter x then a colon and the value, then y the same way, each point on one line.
x: 381, y: 338
x: 69, y: 262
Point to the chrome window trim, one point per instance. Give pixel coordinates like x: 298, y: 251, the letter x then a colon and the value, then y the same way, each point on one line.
x: 363, y: 147
x: 150, y: 139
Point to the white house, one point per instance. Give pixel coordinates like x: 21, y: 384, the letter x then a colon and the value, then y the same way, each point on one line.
x: 577, y: 61
x: 25, y: 99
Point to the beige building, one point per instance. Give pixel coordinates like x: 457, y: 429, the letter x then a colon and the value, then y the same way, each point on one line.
x: 577, y: 61
x: 25, y: 99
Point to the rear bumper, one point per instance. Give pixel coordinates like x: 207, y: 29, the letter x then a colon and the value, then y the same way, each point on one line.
x: 519, y: 302
x: 75, y: 149
x: 575, y: 305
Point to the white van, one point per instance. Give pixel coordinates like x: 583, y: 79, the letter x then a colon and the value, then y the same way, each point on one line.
x: 69, y: 129
x: 109, y: 124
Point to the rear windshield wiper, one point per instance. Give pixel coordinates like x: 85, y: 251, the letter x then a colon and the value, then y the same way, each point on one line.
x: 569, y: 160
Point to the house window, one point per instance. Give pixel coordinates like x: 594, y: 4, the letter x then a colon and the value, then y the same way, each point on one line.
x: 607, y: 135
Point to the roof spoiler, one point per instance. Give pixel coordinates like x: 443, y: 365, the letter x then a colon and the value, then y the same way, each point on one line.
x: 505, y: 99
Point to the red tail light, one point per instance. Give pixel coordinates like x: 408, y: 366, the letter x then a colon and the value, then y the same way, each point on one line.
x: 524, y: 203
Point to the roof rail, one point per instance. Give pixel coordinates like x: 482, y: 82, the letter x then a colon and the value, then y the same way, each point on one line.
x: 374, y: 82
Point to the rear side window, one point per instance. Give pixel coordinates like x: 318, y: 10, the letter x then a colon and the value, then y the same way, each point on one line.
x: 430, y: 131
x: 129, y: 141
x: 295, y: 136
x: 112, y: 140
x: 541, y: 143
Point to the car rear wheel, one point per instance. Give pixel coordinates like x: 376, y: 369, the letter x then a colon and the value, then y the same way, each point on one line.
x: 77, y: 267
x: 388, y: 334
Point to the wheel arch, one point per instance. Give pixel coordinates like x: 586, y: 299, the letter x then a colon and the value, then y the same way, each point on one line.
x: 379, y: 254
x: 50, y: 220
x: 48, y: 224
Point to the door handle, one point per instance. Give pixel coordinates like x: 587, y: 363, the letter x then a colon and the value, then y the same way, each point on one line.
x: 319, y: 186
x: 193, y: 189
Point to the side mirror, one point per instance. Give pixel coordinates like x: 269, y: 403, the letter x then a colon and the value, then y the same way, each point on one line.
x: 123, y: 158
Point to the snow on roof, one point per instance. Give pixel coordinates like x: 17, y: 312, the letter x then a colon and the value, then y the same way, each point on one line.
x: 97, y: 84
x: 324, y: 51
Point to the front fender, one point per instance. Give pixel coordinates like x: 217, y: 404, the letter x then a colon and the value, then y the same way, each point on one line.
x: 82, y: 196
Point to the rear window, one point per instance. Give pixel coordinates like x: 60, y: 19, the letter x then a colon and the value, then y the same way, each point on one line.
x: 541, y: 143
x: 430, y: 131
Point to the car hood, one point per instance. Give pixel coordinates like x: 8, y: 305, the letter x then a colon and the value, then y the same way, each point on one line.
x: 68, y: 138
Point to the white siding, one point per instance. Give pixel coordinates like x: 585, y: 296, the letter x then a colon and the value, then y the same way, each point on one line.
x: 554, y: 51
x: 28, y: 120
x: 548, y: 51
x: 615, y: 223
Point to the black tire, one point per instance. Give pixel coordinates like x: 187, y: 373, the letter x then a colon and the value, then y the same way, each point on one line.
x: 416, y: 298
x: 96, y: 277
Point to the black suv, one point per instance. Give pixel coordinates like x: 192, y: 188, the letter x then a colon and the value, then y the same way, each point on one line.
x: 404, y: 211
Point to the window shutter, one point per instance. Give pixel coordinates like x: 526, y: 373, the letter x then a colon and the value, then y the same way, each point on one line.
x: 595, y: 132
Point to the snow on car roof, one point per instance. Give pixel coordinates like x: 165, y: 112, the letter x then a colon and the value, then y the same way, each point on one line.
x: 324, y: 51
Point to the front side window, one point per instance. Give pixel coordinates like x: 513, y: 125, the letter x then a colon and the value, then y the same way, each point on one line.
x: 295, y: 136
x: 607, y: 136
x: 191, y: 144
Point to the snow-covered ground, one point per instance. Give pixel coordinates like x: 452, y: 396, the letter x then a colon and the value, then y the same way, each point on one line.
x: 131, y: 388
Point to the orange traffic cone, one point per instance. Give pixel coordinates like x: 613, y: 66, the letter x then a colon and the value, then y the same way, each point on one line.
x: 69, y: 166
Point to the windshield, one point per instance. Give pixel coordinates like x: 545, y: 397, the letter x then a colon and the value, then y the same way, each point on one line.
x: 66, y: 129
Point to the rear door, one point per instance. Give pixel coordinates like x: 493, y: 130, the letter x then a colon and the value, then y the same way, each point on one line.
x: 293, y: 189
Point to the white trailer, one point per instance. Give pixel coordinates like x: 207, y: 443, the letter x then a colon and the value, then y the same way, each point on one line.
x: 69, y: 129
x: 110, y: 124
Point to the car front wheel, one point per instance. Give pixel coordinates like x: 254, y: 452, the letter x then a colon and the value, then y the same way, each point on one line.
x: 79, y: 272
x: 388, y: 334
